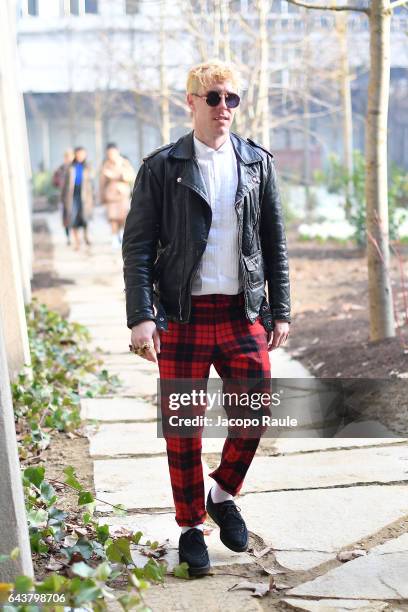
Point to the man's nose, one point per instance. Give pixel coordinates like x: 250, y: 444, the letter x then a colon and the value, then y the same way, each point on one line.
x: 222, y: 103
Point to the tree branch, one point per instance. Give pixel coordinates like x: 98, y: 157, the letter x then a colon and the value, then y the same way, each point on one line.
x: 394, y: 5
x: 328, y: 7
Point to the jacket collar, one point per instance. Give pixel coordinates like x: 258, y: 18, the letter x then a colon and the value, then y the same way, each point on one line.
x: 184, y: 149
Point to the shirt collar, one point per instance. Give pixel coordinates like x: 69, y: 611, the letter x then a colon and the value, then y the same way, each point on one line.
x: 203, y: 151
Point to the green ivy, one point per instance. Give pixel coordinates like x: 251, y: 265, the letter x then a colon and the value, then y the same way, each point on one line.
x: 88, y: 567
x: 62, y: 367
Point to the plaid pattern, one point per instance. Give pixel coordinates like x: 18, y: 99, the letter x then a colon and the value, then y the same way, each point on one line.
x: 218, y: 333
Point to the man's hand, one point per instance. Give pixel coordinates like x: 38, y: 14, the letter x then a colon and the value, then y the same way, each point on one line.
x: 279, y: 335
x: 146, y: 332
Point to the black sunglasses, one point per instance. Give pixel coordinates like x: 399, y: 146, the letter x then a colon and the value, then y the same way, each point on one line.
x: 213, y: 98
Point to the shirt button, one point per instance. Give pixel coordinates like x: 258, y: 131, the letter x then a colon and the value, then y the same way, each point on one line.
x: 179, y: 179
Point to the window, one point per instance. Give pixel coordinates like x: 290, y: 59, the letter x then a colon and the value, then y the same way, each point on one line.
x: 74, y: 7
x: 91, y: 6
x: 82, y: 7
x: 132, y: 7
x: 32, y: 7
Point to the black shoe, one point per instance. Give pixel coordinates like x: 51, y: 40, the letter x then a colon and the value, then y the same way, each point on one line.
x: 193, y: 550
x: 233, y: 531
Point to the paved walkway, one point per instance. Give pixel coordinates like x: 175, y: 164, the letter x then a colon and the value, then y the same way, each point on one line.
x: 305, y: 500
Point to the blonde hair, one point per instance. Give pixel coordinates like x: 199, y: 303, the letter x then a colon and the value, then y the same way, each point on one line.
x: 205, y: 74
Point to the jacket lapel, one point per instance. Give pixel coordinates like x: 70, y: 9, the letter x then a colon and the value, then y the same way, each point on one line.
x: 190, y: 175
x: 192, y: 178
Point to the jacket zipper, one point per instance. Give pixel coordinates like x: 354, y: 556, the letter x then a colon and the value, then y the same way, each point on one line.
x: 244, y: 272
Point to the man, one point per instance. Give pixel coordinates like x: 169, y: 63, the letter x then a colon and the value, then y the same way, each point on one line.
x: 204, y: 234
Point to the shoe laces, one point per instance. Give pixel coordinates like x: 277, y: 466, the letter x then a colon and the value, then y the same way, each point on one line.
x: 232, y: 511
x: 196, y: 535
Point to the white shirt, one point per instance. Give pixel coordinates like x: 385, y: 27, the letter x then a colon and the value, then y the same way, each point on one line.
x: 219, y: 267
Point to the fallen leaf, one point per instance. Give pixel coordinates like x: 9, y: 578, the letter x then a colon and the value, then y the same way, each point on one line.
x: 318, y: 365
x: 348, y: 306
x: 54, y: 565
x: 315, y: 340
x: 259, y: 589
x: 70, y: 540
x: 208, y: 531
x: 349, y: 555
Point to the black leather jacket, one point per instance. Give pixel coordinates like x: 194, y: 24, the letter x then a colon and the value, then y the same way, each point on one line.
x: 167, y: 228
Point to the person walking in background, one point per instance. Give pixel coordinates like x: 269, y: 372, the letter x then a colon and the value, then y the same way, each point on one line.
x: 58, y: 179
x: 115, y: 180
x: 78, y: 196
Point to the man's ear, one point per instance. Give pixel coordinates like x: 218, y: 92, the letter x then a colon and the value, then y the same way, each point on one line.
x: 190, y: 101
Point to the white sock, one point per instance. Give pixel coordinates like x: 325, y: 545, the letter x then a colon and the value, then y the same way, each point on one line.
x: 218, y: 495
x: 200, y: 527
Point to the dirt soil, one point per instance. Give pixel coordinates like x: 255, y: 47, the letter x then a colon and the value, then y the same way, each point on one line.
x: 64, y: 450
x: 330, y: 328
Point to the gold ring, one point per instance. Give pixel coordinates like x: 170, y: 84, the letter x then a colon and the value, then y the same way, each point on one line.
x: 139, y: 350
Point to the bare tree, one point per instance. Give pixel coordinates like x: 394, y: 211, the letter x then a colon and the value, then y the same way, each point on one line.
x: 382, y: 324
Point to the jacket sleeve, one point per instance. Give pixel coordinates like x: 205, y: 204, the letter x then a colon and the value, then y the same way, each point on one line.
x: 274, y: 249
x: 139, y: 248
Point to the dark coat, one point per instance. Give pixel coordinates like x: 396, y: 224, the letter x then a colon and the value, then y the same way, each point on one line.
x: 167, y: 228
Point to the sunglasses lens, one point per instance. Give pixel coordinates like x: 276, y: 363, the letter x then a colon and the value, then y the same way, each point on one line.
x: 213, y: 98
x: 232, y: 100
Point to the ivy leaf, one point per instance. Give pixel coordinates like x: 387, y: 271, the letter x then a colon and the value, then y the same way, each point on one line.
x: 119, y: 510
x: 136, y: 537
x: 51, y: 584
x: 154, y: 571
x: 119, y: 551
x: 71, y: 479
x: 82, y: 569
x: 102, y: 533
x: 85, y: 497
x: 103, y: 571
x: 22, y: 584
x: 37, y: 518
x: 129, y: 602
x: 48, y: 493
x: 35, y: 475
x: 181, y: 571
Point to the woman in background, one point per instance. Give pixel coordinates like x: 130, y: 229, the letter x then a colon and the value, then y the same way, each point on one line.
x: 58, y: 180
x: 77, y: 196
x: 116, y: 178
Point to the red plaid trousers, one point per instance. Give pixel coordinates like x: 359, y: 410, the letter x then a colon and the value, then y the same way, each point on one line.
x: 218, y: 333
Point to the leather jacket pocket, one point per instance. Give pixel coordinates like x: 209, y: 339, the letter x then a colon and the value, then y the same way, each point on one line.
x: 254, y: 269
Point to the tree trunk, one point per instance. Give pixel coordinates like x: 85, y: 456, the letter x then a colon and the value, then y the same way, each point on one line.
x: 306, y: 116
x: 263, y: 91
x: 376, y: 189
x: 345, y: 93
x: 164, y: 90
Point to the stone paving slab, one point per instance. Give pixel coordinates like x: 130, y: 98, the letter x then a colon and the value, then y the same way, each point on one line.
x: 373, y: 576
x: 163, y: 527
x: 134, y: 382
x: 301, y: 560
x: 116, y: 439
x: 335, y: 605
x: 323, y: 520
x: 117, y: 409
x: 330, y: 468
x: 303, y: 445
x: 136, y: 483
